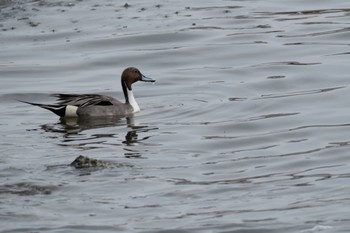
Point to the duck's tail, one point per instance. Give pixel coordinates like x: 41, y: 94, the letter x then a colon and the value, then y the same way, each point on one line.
x: 59, y: 110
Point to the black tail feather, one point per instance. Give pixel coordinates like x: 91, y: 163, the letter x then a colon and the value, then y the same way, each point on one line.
x: 59, y: 110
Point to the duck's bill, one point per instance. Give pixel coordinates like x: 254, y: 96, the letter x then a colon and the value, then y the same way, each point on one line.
x: 147, y: 79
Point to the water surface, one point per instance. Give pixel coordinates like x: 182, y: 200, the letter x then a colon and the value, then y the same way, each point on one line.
x: 246, y: 128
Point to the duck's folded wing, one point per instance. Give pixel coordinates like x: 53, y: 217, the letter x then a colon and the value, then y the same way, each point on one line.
x: 84, y: 100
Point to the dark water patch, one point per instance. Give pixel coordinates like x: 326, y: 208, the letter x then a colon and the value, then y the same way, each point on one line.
x: 78, y: 228
x: 291, y: 19
x: 237, y: 99
x: 315, y: 34
x: 296, y: 153
x: 276, y: 77
x: 213, y: 7
x: 297, y: 93
x: 320, y: 126
x: 33, y: 24
x: 272, y: 115
x: 318, y: 23
x: 219, y: 137
x: 255, y: 32
x: 288, y: 63
x: 44, y: 3
x: 148, y: 40
x: 206, y: 27
x: 26, y: 189
x: 316, y: 43
x: 339, y: 54
x: 11, y: 171
x: 309, y: 12
x: 254, y: 179
x: 23, y: 10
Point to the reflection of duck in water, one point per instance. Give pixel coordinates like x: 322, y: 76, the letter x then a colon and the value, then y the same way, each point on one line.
x: 92, y: 105
x: 74, y: 125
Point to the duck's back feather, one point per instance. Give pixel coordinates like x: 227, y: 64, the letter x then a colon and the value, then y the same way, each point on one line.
x: 85, y: 100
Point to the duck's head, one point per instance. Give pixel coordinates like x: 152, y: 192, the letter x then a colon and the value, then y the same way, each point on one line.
x: 131, y: 75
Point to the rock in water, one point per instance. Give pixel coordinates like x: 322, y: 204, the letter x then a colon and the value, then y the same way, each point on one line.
x: 86, y: 162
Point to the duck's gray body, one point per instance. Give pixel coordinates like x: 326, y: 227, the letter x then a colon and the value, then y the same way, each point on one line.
x: 92, y: 105
x: 95, y: 111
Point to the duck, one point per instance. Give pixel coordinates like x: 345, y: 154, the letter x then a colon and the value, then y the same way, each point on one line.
x: 94, y: 105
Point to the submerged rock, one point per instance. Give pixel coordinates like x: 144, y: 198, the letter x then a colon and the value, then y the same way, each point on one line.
x: 86, y: 162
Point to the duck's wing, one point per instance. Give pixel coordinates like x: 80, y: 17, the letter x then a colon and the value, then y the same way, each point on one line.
x: 85, y: 100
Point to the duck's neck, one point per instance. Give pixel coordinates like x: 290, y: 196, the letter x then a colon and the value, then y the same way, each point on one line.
x: 129, y: 98
x: 132, y: 101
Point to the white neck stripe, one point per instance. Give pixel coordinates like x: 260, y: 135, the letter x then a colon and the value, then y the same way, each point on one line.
x: 132, y: 101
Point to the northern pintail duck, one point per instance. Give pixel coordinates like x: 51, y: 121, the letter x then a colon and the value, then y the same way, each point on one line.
x: 92, y: 105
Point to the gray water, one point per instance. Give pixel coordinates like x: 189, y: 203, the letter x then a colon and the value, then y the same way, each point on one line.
x: 245, y: 130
